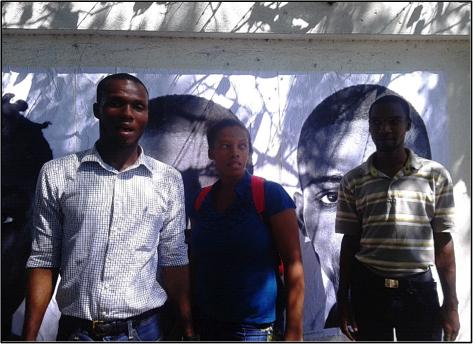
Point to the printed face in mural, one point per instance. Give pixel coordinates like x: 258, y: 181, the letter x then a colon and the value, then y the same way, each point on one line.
x: 334, y: 139
x: 176, y: 135
x: 24, y: 151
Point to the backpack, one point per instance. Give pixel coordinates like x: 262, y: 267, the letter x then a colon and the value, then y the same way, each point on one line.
x: 257, y: 190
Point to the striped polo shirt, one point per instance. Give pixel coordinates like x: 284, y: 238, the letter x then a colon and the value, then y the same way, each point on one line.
x: 396, y: 217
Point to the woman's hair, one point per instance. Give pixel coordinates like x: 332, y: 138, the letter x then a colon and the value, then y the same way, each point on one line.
x: 218, y: 126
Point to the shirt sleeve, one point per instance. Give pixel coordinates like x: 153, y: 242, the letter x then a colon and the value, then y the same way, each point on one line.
x: 276, y: 198
x: 47, y: 219
x: 443, y: 220
x: 172, y: 247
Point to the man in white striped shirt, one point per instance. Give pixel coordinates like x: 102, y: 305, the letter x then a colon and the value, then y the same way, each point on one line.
x: 110, y: 221
x: 396, y: 214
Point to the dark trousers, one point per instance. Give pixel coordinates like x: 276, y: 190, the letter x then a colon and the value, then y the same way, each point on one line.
x: 412, y: 309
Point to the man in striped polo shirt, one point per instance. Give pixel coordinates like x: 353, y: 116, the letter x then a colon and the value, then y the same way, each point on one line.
x: 396, y: 214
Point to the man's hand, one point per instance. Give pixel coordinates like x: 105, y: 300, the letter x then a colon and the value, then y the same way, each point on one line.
x: 451, y: 323
x: 346, y: 318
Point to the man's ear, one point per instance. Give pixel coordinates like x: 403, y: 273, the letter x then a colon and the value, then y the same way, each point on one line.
x: 96, y: 109
x: 299, y: 200
x: 409, y: 124
x: 209, y: 153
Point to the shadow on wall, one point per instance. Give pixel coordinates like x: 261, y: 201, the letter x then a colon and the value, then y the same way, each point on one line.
x: 176, y: 135
x: 24, y: 151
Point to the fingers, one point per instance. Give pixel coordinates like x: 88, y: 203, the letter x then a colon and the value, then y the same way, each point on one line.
x: 346, y: 317
x: 346, y: 331
x: 451, y: 324
x: 449, y: 335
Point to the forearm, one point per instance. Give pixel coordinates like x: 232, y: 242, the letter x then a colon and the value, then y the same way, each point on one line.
x: 177, y: 283
x: 446, y: 268
x: 445, y: 263
x: 193, y: 262
x: 40, y: 288
x: 286, y: 236
x: 349, y: 247
x: 294, y: 282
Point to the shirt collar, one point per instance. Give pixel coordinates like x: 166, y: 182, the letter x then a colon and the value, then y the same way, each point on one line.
x: 93, y: 155
x: 241, y: 185
x: 413, y: 163
x: 245, y: 181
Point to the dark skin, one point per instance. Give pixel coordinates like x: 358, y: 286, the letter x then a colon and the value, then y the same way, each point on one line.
x: 123, y: 115
x: 388, y: 127
x: 349, y: 247
x: 39, y: 291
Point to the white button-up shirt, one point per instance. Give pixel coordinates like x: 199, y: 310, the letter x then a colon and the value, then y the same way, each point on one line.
x: 108, y: 232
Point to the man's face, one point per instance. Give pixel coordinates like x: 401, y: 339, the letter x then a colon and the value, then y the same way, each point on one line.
x: 388, y: 125
x: 316, y: 207
x: 123, y: 113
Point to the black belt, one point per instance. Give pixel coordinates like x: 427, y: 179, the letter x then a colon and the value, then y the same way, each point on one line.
x: 405, y: 282
x: 392, y: 283
x: 104, y: 328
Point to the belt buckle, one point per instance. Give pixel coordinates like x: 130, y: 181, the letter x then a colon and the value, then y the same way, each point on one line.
x: 96, y: 330
x: 391, y: 283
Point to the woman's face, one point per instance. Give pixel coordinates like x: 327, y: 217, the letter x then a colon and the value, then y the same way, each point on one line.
x: 230, y: 151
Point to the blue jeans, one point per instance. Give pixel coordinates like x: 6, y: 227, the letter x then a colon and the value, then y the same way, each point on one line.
x: 413, y: 309
x: 148, y: 330
x: 213, y: 330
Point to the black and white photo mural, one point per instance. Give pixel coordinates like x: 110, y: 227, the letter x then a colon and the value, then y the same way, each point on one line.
x: 24, y: 151
x: 307, y: 131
